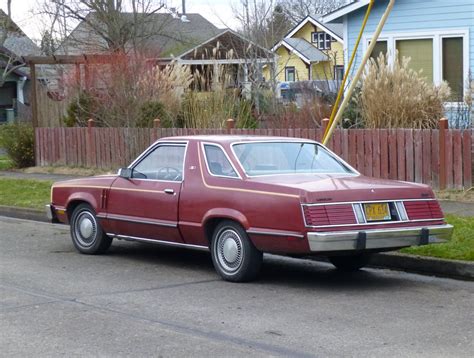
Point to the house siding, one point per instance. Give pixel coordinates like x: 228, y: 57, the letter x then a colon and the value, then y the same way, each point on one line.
x: 415, y: 16
x: 288, y: 59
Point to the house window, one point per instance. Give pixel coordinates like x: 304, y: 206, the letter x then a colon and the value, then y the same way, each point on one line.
x: 452, y: 48
x: 421, y: 53
x: 322, y: 39
x: 442, y: 54
x: 338, y: 73
x: 289, y: 74
x: 380, y: 47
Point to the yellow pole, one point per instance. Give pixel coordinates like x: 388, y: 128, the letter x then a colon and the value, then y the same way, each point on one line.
x: 355, y: 80
x: 348, y: 69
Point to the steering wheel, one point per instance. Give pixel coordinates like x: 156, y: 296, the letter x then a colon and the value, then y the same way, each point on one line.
x: 168, y: 173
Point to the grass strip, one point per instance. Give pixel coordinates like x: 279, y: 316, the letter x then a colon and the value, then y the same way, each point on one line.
x: 25, y: 193
x: 460, y: 247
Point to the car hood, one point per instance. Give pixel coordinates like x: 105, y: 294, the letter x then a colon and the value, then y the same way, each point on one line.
x: 315, y: 188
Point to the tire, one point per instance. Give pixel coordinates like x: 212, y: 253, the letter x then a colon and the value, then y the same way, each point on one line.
x: 86, y: 233
x: 234, y: 256
x: 350, y: 263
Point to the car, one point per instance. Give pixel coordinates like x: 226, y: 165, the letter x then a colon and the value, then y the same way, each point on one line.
x: 241, y: 196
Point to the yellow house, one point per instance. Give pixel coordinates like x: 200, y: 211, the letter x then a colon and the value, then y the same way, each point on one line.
x: 310, y: 51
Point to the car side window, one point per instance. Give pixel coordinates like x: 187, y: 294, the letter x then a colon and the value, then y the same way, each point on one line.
x: 165, y: 162
x: 217, y: 162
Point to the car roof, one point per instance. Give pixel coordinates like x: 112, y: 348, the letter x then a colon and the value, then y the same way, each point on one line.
x: 227, y: 139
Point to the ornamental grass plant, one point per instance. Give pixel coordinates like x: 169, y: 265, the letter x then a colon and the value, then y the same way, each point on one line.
x: 396, y: 96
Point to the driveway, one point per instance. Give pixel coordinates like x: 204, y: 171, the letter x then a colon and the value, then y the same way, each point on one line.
x: 143, y: 300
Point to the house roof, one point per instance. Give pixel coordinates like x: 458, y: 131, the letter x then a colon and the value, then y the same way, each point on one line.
x: 306, y: 51
x: 227, y: 44
x: 344, y: 10
x: 16, y: 40
x: 166, y: 34
x: 335, y: 30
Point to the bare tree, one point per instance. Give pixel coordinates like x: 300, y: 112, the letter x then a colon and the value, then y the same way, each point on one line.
x: 261, y: 21
x: 117, y: 24
x: 297, y: 10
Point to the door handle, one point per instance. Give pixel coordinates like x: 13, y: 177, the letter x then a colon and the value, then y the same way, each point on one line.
x: 169, y: 191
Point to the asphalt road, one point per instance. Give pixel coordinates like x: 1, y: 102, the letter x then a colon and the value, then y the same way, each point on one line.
x: 142, y: 300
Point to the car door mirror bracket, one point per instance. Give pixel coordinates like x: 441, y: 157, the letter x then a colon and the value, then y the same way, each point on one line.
x: 125, y: 173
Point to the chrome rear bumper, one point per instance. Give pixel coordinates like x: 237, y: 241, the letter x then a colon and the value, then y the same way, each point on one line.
x: 378, y: 239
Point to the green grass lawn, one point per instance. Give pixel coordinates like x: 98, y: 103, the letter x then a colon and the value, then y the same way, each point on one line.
x: 25, y: 193
x: 5, y: 163
x: 36, y: 193
x: 460, y: 247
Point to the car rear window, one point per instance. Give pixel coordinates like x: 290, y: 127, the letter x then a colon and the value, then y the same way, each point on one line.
x: 270, y: 158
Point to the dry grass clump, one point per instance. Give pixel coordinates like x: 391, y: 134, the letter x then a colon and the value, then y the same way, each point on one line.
x: 395, y: 96
x: 211, y: 109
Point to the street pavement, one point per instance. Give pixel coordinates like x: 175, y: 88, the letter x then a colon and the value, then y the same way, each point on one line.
x: 150, y: 301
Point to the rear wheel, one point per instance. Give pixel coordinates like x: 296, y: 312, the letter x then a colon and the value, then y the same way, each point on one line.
x: 234, y: 256
x: 350, y: 263
x: 86, y: 233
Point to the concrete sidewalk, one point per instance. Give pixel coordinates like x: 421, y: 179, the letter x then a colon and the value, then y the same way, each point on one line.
x: 36, y: 176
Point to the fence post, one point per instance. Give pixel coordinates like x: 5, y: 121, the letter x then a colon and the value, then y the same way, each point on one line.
x: 230, y: 124
x: 90, y: 150
x: 156, y: 123
x: 443, y: 127
x: 324, y: 125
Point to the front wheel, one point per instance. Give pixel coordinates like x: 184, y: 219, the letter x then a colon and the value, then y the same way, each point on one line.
x: 350, y: 263
x: 234, y: 256
x: 86, y: 233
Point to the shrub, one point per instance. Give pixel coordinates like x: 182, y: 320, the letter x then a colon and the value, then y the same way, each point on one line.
x: 395, y: 96
x: 80, y: 110
x: 18, y: 141
x: 151, y: 110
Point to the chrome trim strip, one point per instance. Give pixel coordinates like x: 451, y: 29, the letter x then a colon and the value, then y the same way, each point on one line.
x: 203, y: 144
x: 377, y: 239
x: 274, y: 233
x: 368, y: 201
x: 291, y: 140
x: 377, y: 223
x: 160, y: 242
x: 152, y: 147
x: 139, y: 221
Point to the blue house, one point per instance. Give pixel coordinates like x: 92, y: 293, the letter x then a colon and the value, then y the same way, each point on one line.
x: 438, y: 35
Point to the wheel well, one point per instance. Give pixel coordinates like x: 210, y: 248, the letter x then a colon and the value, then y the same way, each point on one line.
x: 72, y: 206
x: 210, y: 226
x: 212, y: 223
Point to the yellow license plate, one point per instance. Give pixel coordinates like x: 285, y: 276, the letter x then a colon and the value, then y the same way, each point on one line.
x: 377, y: 212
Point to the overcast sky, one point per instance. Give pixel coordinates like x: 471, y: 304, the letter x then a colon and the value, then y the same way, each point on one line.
x: 218, y: 12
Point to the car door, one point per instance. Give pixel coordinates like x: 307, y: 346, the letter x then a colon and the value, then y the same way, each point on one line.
x: 146, y: 204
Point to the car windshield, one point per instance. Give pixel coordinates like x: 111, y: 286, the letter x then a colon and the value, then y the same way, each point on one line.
x: 270, y: 158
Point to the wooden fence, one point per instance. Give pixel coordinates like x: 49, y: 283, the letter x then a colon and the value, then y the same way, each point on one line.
x: 403, y: 154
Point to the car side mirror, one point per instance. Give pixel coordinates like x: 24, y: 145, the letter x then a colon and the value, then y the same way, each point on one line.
x: 125, y: 173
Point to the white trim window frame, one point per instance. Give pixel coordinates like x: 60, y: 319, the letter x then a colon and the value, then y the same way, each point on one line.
x: 323, y: 40
x: 437, y: 36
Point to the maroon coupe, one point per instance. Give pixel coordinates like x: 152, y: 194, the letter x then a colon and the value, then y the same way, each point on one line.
x: 240, y: 196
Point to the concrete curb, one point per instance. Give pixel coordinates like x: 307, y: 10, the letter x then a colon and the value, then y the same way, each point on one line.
x: 431, y: 266
x: 23, y: 213
x: 463, y: 270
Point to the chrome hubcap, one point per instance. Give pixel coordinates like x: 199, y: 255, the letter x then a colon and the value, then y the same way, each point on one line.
x: 85, y: 229
x: 229, y: 250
